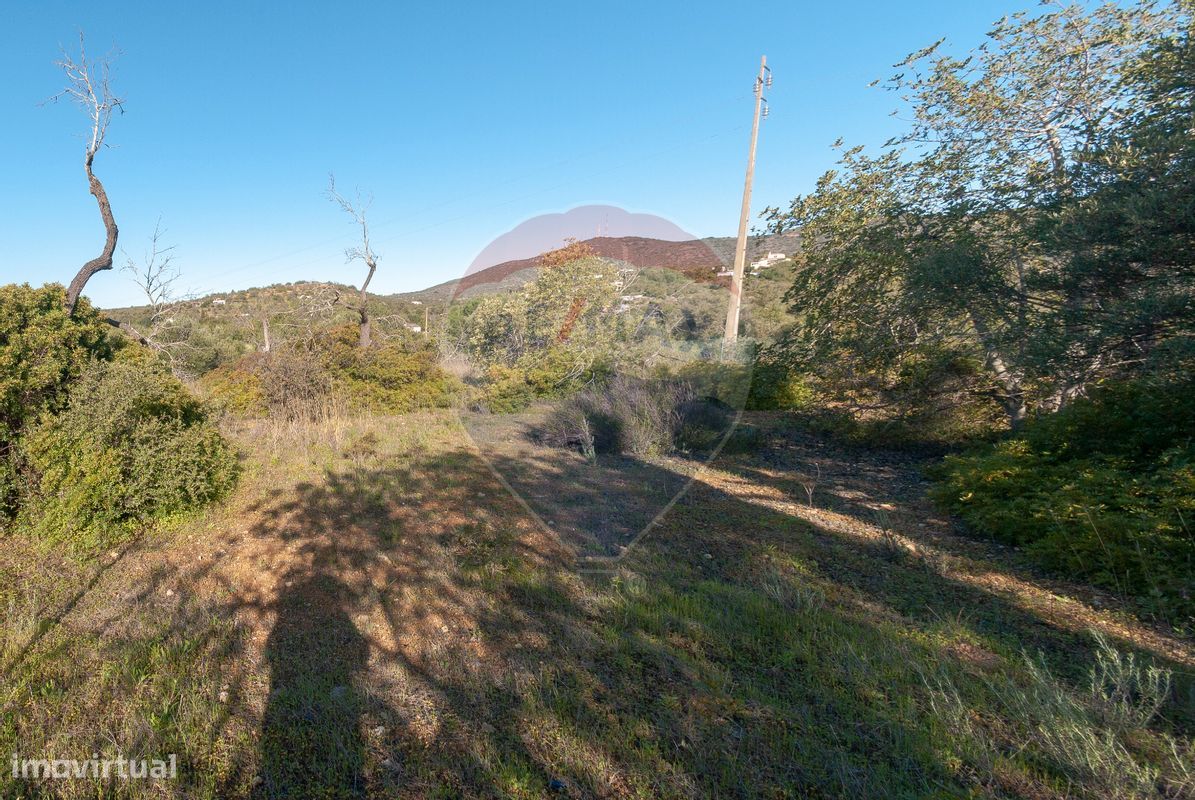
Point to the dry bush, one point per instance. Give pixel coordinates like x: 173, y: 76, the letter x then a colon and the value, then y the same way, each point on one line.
x: 636, y: 417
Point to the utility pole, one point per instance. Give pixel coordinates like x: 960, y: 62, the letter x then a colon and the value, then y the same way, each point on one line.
x: 740, y: 249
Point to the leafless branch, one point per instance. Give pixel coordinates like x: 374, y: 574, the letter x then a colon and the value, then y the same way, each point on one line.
x: 156, y: 276
x: 357, y: 210
x: 88, y: 85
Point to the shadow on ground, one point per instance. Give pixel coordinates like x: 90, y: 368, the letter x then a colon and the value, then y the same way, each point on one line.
x: 418, y: 635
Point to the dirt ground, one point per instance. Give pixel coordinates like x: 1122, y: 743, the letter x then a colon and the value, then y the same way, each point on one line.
x: 383, y: 617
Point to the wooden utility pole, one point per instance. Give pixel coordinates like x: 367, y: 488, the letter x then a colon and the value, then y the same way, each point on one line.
x: 740, y: 249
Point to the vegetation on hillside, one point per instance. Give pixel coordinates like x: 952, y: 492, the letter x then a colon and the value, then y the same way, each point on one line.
x: 97, y: 438
x: 628, y: 563
x: 1029, y: 238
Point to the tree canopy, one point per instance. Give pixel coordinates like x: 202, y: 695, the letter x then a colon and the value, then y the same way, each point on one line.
x: 1032, y: 224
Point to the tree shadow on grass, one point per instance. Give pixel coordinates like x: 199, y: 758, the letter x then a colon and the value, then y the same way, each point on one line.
x: 496, y: 670
x: 739, y: 652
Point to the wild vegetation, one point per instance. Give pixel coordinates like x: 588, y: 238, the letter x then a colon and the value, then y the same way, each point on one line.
x: 927, y: 532
x: 1027, y: 243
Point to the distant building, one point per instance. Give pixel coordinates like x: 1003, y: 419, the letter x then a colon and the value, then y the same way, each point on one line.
x: 412, y: 327
x: 768, y: 260
x: 218, y: 302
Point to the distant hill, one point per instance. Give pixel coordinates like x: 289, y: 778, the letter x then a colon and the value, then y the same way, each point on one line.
x: 699, y: 259
x: 225, y: 325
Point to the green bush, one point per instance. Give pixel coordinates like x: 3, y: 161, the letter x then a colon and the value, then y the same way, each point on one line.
x: 236, y: 391
x: 506, y: 390
x: 132, y: 446
x: 393, y: 376
x: 302, y: 381
x: 775, y: 386
x: 1103, y: 490
x: 42, y: 351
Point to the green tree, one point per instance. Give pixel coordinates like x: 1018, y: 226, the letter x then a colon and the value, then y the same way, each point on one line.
x: 975, y: 238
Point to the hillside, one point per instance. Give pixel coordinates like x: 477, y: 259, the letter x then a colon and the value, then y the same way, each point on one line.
x: 223, y: 326
x: 699, y: 259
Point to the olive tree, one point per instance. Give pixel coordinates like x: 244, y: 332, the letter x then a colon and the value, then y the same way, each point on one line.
x: 962, y: 239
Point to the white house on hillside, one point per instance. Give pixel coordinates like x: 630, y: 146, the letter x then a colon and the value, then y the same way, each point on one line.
x: 768, y: 260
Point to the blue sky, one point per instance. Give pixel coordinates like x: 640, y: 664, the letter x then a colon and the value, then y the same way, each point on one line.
x: 462, y: 120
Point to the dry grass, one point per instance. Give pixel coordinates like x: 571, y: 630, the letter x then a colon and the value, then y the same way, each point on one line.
x: 374, y: 615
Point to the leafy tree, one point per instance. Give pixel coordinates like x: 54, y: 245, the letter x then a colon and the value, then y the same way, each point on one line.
x: 978, y: 239
x: 562, y: 318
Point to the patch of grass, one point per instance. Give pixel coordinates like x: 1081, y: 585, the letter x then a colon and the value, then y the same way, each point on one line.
x: 417, y: 636
x: 150, y: 692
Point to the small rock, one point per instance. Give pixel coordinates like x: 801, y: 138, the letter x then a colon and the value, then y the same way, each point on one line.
x: 223, y: 696
x: 443, y: 629
x: 170, y: 593
x: 390, y: 764
x: 707, y: 555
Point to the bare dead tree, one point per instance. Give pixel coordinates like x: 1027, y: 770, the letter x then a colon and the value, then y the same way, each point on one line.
x: 357, y: 210
x: 88, y: 85
x: 156, y: 276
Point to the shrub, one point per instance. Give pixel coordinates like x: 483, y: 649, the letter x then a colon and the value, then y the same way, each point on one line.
x: 42, y: 351
x: 555, y: 372
x: 506, y: 390
x: 728, y: 382
x: 394, y: 376
x: 132, y: 446
x: 1103, y: 490
x: 775, y: 386
x: 301, y: 382
x: 637, y: 417
x: 236, y: 390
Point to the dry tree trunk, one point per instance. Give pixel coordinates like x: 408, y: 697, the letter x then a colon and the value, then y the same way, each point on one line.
x: 87, y: 85
x: 363, y: 310
x: 104, y: 260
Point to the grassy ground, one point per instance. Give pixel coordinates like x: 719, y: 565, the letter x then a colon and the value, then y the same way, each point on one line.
x: 375, y: 615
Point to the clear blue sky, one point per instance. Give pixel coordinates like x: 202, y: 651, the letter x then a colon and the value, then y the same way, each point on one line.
x: 463, y: 120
